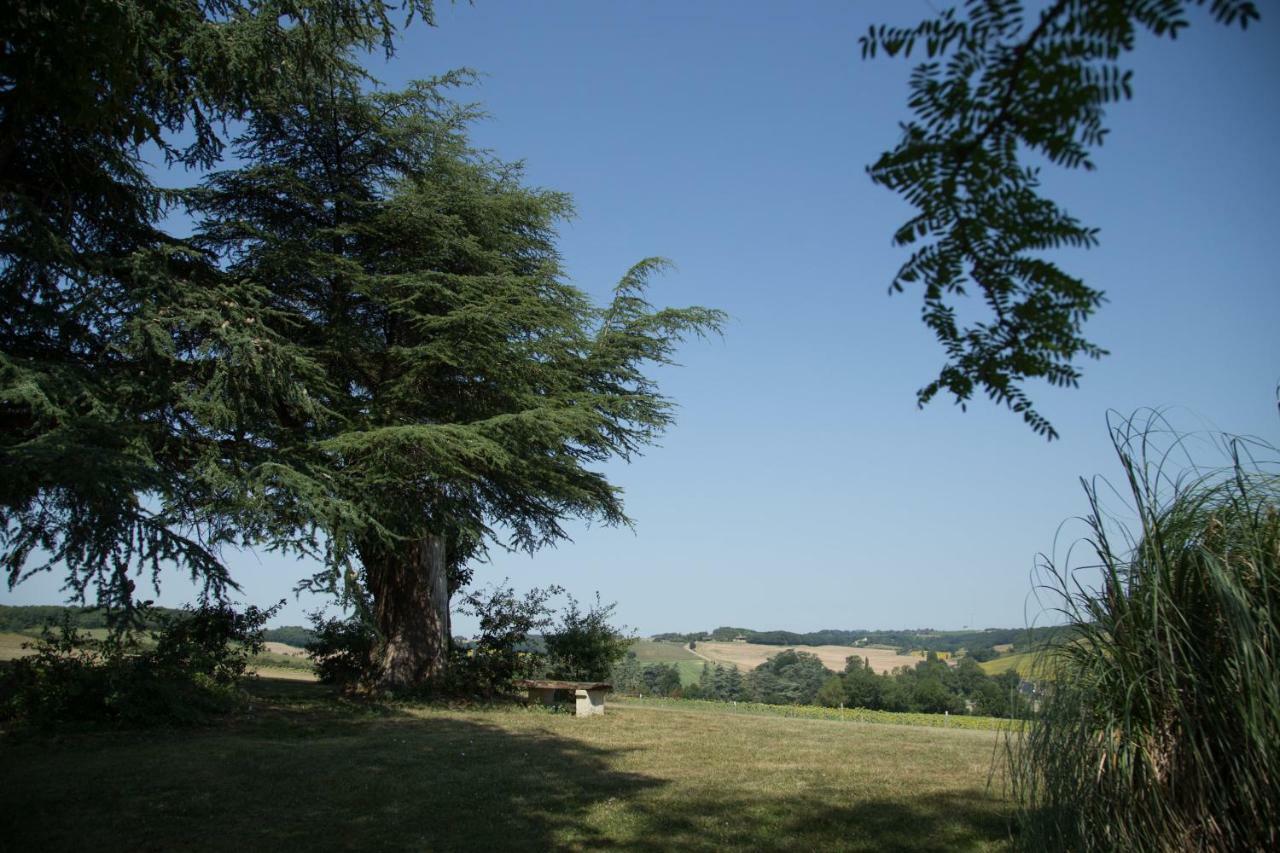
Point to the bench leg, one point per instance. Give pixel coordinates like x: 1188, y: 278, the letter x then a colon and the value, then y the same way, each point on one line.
x: 544, y: 695
x: 590, y: 703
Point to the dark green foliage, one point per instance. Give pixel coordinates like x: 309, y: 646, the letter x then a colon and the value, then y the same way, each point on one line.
x: 214, y: 641
x: 1161, y: 727
x: 982, y: 654
x: 341, y: 650
x: 677, y: 638
x: 862, y: 687
x: 28, y: 618
x: 368, y: 351
x: 707, y: 681
x: 788, y: 678
x: 660, y: 679
x: 188, y: 672
x: 131, y: 372
x: 292, y: 635
x: 997, y: 93
x: 831, y: 694
x: 584, y: 646
x: 501, y: 655
x: 627, y: 677
x: 931, y: 686
x: 450, y: 383
x: 733, y: 688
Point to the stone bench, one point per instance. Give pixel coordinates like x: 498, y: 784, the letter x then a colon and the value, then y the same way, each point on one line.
x: 589, y: 694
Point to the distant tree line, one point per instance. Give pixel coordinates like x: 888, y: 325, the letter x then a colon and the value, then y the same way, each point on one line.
x: 31, y: 619
x: 979, y: 644
x: 799, y: 678
x: 931, y: 686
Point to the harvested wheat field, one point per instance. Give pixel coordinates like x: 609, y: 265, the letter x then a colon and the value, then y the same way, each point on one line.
x: 284, y: 649
x: 751, y: 655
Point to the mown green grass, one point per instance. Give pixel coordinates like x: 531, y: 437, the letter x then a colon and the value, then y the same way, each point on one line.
x: 305, y: 772
x: 815, y: 712
x: 690, y: 670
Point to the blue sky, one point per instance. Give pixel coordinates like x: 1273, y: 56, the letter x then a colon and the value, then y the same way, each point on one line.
x: 801, y: 488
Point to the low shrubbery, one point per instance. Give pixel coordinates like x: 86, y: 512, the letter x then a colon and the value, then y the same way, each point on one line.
x: 185, y: 671
x: 519, y: 638
x: 503, y: 652
x: 341, y: 650
x: 584, y: 646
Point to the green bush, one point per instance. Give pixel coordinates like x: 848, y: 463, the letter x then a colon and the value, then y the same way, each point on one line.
x: 584, y: 646
x: 188, y: 671
x: 341, y: 651
x: 1160, y: 728
x: 504, y: 653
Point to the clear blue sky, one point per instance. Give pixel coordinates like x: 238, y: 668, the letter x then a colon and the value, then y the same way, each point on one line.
x: 801, y: 488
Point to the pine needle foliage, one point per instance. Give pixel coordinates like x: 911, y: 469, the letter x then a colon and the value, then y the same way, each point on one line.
x: 1000, y: 91
x: 123, y: 352
x: 461, y: 387
x: 1160, y: 728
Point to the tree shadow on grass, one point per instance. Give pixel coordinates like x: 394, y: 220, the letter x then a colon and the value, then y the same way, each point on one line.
x: 302, y: 774
x: 939, y: 823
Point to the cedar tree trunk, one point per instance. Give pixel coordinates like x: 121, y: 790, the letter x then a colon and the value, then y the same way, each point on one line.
x: 410, y: 588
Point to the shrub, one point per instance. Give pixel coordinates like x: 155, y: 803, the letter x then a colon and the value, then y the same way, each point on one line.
x: 188, y: 672
x: 1160, y: 729
x: 504, y: 652
x: 584, y: 646
x: 341, y: 650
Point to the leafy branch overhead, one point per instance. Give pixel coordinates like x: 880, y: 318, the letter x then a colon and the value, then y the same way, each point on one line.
x: 1000, y: 90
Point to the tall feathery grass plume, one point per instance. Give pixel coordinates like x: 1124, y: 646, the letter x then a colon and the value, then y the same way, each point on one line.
x: 1158, y: 727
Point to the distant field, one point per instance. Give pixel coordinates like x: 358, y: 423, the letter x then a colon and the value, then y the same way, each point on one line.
x: 285, y: 649
x: 673, y: 654
x: 1023, y: 663
x: 264, y: 669
x: 283, y: 661
x: 648, y: 651
x: 280, y: 661
x: 307, y: 773
x: 751, y: 655
x: 11, y: 646
x: 815, y: 712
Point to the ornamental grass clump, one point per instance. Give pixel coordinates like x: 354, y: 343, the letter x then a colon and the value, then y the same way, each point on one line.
x: 1160, y: 729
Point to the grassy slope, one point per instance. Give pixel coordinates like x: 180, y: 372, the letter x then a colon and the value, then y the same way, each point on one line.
x: 1022, y: 662
x: 306, y: 773
x: 689, y: 664
x: 647, y: 651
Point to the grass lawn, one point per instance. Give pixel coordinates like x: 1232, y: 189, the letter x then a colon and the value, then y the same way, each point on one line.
x: 305, y: 772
